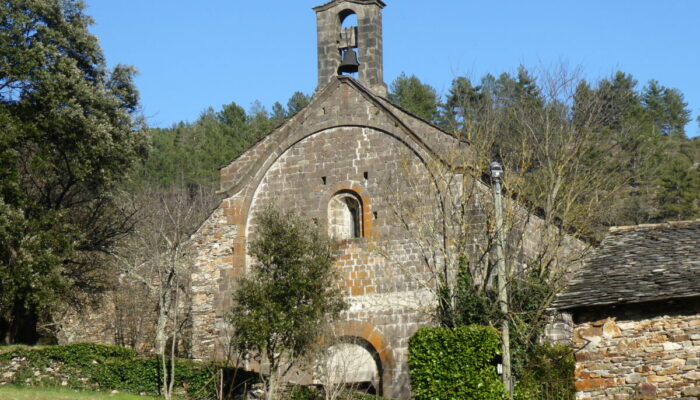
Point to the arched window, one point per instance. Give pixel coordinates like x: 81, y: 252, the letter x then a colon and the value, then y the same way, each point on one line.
x: 345, y: 216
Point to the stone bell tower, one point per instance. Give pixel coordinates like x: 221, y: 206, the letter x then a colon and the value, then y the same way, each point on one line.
x: 364, y: 39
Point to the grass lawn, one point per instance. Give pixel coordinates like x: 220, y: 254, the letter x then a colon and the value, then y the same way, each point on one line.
x: 27, y: 393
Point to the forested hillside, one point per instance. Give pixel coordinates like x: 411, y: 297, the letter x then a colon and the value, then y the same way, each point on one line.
x: 190, y: 154
x: 558, y: 131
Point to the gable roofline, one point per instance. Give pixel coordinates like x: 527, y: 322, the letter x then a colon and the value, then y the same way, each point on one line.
x: 368, y: 92
x: 331, y: 4
x: 381, y: 103
x: 319, y: 94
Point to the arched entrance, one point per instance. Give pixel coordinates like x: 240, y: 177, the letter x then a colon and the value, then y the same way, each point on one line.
x: 352, y: 364
x: 361, y: 344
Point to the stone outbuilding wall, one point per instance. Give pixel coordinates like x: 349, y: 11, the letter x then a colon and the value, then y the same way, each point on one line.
x: 636, y: 313
x: 635, y: 355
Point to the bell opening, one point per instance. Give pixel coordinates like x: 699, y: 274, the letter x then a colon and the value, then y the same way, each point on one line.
x: 347, y: 43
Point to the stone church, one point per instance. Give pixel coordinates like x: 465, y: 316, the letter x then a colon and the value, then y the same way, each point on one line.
x: 343, y: 161
x: 332, y: 162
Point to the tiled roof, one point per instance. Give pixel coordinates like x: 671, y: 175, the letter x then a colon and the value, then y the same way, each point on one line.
x: 637, y: 264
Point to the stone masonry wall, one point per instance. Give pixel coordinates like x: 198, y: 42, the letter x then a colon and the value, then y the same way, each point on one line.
x: 648, y: 358
x: 346, y: 140
x: 213, y: 261
x: 382, y: 295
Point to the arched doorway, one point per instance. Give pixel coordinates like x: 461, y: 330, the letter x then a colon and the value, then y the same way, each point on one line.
x: 351, y: 365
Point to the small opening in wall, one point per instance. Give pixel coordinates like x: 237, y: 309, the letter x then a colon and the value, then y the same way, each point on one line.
x: 366, y: 175
x: 323, y: 178
x: 345, y: 216
x: 375, y: 215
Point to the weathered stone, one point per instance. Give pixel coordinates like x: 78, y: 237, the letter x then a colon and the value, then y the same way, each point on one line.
x: 592, y: 384
x: 647, y: 389
x: 591, y: 333
x: 633, y: 378
x: 611, y: 330
x: 668, y: 346
x: 662, y: 368
x: 693, y: 376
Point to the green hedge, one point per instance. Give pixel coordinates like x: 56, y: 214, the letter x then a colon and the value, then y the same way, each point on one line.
x: 455, y: 364
x: 93, y: 366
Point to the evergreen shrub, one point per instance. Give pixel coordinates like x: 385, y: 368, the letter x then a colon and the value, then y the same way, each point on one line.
x: 455, y: 363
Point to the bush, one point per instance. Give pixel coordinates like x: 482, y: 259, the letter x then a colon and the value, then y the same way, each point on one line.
x: 549, y: 373
x: 102, y: 367
x: 316, y: 393
x: 454, y: 364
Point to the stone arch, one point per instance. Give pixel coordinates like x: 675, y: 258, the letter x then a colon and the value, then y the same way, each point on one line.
x: 373, y: 340
x: 252, y: 181
x: 348, y: 39
x: 344, y: 14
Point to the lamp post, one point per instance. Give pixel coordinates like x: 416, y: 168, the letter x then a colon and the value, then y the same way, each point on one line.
x: 496, y: 176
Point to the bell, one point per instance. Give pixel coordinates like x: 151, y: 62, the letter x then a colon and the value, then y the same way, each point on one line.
x: 349, y: 64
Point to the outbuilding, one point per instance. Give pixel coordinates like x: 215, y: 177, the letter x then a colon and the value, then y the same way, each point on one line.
x: 636, y: 312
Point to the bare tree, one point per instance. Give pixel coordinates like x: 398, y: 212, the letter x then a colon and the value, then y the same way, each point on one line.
x: 155, y: 258
x: 564, y: 167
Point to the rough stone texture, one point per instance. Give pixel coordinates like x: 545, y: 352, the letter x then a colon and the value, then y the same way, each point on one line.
x: 342, y: 142
x: 213, y: 248
x: 636, y: 305
x: 560, y: 328
x: 635, y: 355
x: 95, y: 324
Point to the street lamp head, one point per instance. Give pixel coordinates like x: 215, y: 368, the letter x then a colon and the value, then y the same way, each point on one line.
x: 496, y: 170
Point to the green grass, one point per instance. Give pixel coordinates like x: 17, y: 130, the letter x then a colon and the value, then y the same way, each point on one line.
x: 27, y: 393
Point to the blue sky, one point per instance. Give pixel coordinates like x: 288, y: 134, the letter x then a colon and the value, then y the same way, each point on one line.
x: 197, y: 54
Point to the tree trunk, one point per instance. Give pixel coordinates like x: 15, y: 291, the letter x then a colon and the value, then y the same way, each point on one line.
x: 161, y: 327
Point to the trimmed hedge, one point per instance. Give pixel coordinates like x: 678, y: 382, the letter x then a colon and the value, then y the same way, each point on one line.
x: 455, y: 364
x: 93, y: 366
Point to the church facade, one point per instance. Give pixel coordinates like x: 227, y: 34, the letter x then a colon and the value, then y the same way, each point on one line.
x: 344, y: 161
